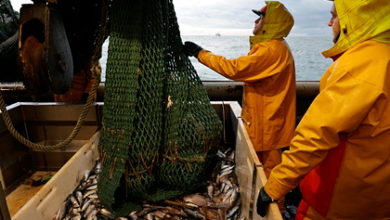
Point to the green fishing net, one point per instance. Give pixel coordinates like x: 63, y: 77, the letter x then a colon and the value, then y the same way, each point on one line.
x: 159, y: 130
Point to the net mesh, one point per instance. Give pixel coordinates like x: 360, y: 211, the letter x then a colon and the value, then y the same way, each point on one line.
x: 159, y: 129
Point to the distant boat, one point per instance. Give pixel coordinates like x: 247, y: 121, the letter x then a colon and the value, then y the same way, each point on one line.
x: 218, y: 34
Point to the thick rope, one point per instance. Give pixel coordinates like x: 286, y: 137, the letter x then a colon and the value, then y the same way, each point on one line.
x: 96, y: 71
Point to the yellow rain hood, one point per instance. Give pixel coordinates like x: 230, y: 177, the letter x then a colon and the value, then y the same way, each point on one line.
x: 361, y: 20
x: 277, y: 23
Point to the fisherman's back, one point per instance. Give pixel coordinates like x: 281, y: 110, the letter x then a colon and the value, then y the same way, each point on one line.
x: 361, y: 188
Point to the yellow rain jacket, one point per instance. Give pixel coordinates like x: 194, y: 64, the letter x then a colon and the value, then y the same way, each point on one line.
x: 340, y: 153
x: 269, y: 75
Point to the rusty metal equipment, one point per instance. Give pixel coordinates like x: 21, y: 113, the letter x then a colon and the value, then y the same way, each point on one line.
x: 44, y: 52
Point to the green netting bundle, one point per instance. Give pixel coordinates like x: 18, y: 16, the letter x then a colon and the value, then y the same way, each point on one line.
x: 159, y: 129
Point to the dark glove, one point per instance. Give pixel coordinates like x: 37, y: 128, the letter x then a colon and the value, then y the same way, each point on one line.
x: 191, y: 49
x: 263, y: 201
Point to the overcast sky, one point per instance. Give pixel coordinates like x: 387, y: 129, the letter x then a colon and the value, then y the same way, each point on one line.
x: 234, y: 17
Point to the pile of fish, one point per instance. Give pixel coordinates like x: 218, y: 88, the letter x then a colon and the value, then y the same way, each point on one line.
x: 220, y: 200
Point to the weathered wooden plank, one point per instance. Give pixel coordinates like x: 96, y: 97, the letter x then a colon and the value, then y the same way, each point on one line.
x: 4, y: 214
x: 25, y: 191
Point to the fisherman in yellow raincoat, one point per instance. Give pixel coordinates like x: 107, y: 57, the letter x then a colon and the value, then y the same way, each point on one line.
x: 340, y: 153
x: 268, y: 73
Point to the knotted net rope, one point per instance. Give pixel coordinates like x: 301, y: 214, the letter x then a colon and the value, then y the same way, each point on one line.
x: 75, y: 131
x: 159, y: 130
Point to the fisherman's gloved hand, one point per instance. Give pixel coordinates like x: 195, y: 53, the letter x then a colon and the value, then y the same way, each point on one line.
x: 191, y: 49
x: 263, y: 201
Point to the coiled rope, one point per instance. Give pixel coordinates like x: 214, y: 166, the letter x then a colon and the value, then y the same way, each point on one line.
x: 96, y: 71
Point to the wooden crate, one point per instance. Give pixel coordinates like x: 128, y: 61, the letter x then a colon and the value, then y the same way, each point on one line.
x: 45, y: 123
x: 50, y: 198
x: 45, y: 204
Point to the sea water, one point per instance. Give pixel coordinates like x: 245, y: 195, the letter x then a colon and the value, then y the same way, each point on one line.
x: 309, y: 63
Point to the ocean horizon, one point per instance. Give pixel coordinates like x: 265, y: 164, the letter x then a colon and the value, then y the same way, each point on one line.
x: 309, y: 62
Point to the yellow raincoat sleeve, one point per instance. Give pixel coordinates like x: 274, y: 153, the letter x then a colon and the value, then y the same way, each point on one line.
x: 343, y: 103
x: 260, y: 63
